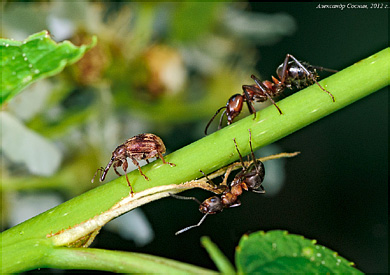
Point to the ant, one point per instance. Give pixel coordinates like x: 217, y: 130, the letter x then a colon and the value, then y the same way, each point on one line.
x: 249, y: 178
x: 292, y: 73
x: 140, y: 147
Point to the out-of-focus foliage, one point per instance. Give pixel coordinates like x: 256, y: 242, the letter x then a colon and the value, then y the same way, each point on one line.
x: 156, y: 66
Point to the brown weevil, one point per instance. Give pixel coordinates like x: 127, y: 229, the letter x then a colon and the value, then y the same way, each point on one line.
x: 140, y: 147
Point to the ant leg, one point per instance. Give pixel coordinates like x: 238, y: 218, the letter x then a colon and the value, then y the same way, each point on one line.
x: 227, y: 174
x: 220, y: 120
x: 309, y: 75
x: 284, y: 68
x: 250, y: 145
x: 238, y: 203
x: 163, y: 160
x: 258, y: 164
x: 248, y: 100
x: 135, y: 162
x: 264, y: 90
x: 208, y: 180
x: 221, y: 186
x: 238, y: 151
x: 262, y: 191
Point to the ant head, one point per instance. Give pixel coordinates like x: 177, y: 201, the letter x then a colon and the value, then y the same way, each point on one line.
x: 211, y: 205
x: 234, y: 107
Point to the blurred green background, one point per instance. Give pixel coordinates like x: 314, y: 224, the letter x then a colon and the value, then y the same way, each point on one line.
x: 165, y: 68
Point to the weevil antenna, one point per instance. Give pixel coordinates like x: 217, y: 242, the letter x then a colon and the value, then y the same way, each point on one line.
x: 99, y: 169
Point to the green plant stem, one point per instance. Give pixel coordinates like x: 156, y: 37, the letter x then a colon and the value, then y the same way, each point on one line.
x: 208, y: 154
x: 116, y: 261
x: 220, y: 260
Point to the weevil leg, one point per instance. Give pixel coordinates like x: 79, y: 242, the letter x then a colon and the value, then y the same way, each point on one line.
x: 124, y: 167
x: 163, y: 160
x: 139, y: 168
x: 116, y: 165
x: 129, y: 184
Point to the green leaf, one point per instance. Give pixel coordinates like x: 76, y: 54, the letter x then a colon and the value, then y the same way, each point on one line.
x: 280, y: 252
x: 220, y: 260
x: 37, y: 57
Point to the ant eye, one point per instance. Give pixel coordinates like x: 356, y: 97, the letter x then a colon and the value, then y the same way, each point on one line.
x: 214, y: 199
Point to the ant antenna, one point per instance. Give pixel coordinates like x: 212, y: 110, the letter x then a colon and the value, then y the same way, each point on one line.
x: 192, y: 226
x: 324, y: 69
x: 184, y: 198
x: 211, y: 120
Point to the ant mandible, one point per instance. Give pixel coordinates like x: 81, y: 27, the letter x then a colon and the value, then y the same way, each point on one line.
x: 249, y: 178
x: 292, y: 73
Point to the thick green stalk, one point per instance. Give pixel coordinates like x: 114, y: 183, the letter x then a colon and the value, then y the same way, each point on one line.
x: 116, y: 261
x: 220, y: 260
x: 208, y: 154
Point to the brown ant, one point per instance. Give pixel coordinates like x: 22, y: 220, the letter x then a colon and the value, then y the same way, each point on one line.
x: 140, y: 147
x: 249, y: 178
x: 292, y: 73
